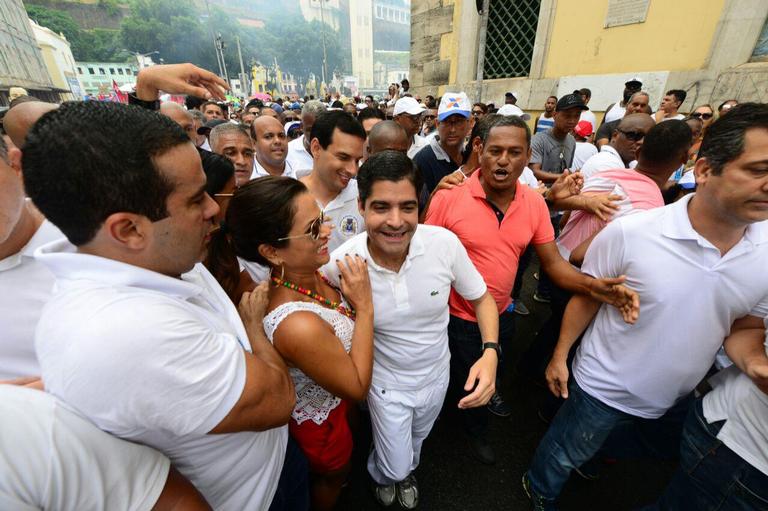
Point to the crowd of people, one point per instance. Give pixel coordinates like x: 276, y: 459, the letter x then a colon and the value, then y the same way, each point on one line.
x: 197, y: 303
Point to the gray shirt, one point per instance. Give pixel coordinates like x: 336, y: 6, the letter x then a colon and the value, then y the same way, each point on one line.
x: 554, y: 155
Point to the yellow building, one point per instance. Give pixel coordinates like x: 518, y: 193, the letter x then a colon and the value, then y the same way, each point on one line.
x: 713, y: 49
x: 59, y: 61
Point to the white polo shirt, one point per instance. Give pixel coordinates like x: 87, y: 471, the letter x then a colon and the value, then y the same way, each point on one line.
x: 607, y: 159
x: 410, y: 317
x: 158, y: 361
x: 744, y: 408
x: 260, y: 171
x: 345, y: 216
x: 54, y: 459
x: 645, y: 368
x: 299, y: 158
x: 25, y: 287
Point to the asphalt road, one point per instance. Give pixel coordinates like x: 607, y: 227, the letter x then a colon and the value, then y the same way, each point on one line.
x: 451, y: 479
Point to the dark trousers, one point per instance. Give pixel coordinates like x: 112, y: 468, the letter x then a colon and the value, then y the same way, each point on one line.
x: 544, y: 289
x: 710, y: 475
x: 585, y: 427
x: 535, y: 359
x: 293, y: 488
x: 522, y: 265
x: 465, y: 343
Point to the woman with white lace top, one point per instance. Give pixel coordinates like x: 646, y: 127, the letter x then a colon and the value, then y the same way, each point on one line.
x: 324, y: 334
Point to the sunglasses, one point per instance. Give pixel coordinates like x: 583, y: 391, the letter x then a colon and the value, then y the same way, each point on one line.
x: 701, y: 115
x: 430, y: 117
x: 313, y: 232
x: 477, y: 112
x: 634, y: 136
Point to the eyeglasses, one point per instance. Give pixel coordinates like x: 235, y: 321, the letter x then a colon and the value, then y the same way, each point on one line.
x: 314, y: 230
x: 634, y: 136
x: 701, y: 115
x: 223, y: 194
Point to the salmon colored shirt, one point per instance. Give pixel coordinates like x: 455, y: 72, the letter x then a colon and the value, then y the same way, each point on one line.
x: 494, y: 241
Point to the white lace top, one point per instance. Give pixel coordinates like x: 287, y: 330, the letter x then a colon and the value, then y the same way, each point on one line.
x: 312, y: 401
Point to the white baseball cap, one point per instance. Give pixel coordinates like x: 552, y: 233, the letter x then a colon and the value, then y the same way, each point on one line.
x: 514, y: 110
x: 408, y: 105
x: 453, y: 103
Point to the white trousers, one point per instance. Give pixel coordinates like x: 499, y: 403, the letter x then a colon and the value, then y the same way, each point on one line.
x: 401, y: 420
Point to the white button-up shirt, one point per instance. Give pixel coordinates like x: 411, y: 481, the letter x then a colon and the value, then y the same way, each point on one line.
x: 690, y: 296
x: 345, y: 216
x: 411, y: 305
x: 157, y: 360
x: 260, y: 171
x: 299, y: 158
x: 25, y: 287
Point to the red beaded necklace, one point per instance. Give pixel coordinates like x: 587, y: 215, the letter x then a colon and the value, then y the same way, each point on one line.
x: 350, y: 313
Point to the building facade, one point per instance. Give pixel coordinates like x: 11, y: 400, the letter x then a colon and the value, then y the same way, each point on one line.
x: 21, y: 61
x: 97, y: 77
x: 715, y: 50
x: 59, y: 61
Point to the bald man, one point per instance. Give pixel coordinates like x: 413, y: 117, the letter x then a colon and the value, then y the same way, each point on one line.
x: 180, y: 116
x: 386, y: 135
x: 621, y: 151
x: 19, y: 119
x: 271, y: 148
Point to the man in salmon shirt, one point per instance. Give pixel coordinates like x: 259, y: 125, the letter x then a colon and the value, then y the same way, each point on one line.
x: 496, y: 219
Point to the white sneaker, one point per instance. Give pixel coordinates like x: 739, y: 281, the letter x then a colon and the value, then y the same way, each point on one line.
x: 385, y: 494
x: 408, y: 492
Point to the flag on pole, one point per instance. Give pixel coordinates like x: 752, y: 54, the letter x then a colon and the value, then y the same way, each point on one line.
x: 120, y: 96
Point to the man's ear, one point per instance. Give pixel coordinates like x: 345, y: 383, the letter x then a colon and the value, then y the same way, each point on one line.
x: 14, y: 158
x: 129, y: 230
x: 315, y: 147
x: 361, y: 207
x: 703, y: 171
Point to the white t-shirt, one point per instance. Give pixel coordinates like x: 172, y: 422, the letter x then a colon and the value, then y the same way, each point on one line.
x: 643, y: 369
x: 528, y: 178
x: 418, y: 143
x: 25, y: 287
x: 345, y: 216
x: 736, y: 400
x: 607, y: 159
x: 53, y: 459
x: 678, y: 117
x: 616, y: 112
x: 589, y: 115
x: 410, y: 324
x: 158, y: 361
x: 257, y: 272
x: 260, y: 171
x: 299, y: 158
x: 584, y: 151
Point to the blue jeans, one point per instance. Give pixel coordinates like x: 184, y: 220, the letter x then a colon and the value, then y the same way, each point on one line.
x: 466, y: 345
x: 711, y: 476
x: 585, y: 427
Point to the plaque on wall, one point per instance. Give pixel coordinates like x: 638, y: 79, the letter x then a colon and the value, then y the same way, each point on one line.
x: 626, y: 12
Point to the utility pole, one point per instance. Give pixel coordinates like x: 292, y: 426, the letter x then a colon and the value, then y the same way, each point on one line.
x: 220, y: 52
x: 322, y: 34
x: 243, y: 76
x: 215, y: 40
x: 481, y: 50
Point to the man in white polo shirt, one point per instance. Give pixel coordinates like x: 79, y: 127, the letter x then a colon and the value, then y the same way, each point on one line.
x: 337, y: 147
x: 622, y: 149
x: 26, y: 284
x: 270, y: 144
x: 706, y: 252
x: 143, y: 349
x: 299, y: 155
x: 412, y: 268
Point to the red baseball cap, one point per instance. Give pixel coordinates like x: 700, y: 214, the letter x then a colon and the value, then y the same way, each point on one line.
x: 583, y: 129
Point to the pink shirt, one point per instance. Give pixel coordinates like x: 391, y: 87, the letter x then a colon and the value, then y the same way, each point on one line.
x: 640, y: 193
x: 494, y: 246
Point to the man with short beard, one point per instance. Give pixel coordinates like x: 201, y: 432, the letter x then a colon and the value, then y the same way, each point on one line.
x: 234, y: 142
x: 637, y: 104
x: 212, y: 110
x: 626, y: 139
x: 271, y: 148
x: 337, y: 148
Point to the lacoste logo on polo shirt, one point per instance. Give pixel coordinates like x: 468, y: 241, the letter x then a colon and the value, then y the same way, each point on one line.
x: 433, y: 293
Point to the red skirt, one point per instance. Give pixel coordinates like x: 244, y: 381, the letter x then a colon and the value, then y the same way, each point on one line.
x: 328, y: 446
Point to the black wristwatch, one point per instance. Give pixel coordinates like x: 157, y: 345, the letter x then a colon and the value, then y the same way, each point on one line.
x: 149, y: 105
x: 492, y: 346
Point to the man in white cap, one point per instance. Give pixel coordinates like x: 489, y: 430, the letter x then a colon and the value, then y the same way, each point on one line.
x: 407, y: 114
x: 443, y: 154
x: 510, y: 98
